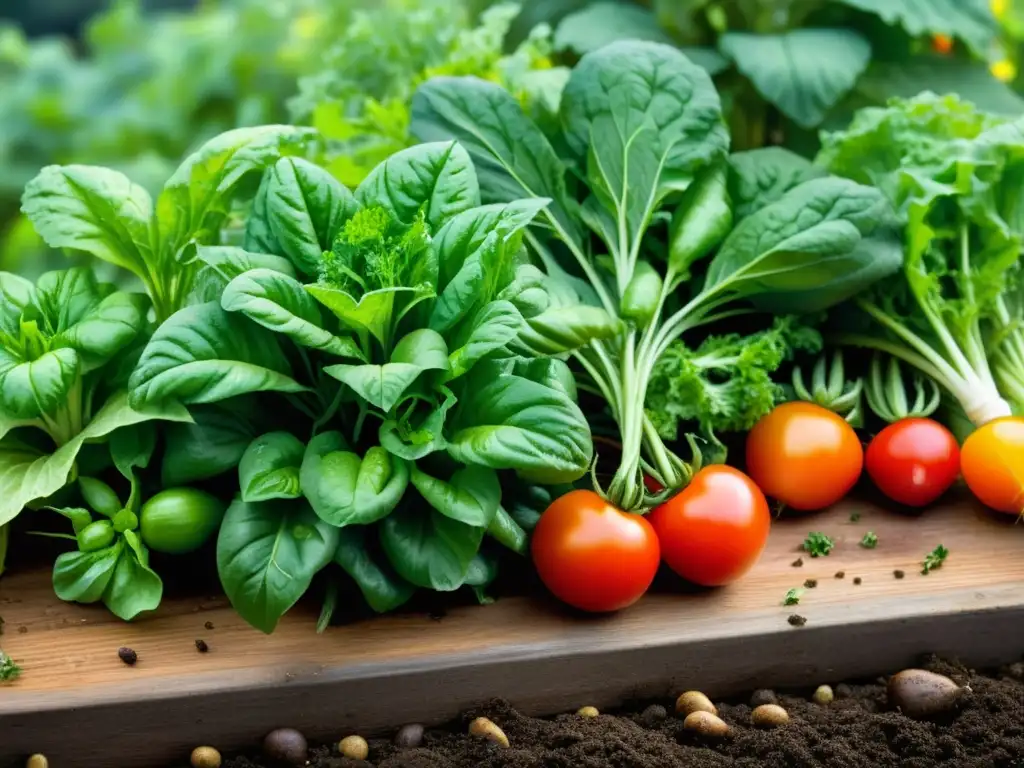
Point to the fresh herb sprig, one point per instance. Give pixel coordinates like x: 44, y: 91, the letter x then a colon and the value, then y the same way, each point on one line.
x: 934, y: 559
x: 817, y: 544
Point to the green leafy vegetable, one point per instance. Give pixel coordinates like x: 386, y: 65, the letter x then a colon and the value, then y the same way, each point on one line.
x: 817, y: 544
x: 870, y: 540
x: 934, y: 559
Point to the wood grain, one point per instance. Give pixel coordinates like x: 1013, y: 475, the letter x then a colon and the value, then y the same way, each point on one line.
x: 75, y: 693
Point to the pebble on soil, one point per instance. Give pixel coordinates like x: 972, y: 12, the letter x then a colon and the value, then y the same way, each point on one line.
x: 859, y: 729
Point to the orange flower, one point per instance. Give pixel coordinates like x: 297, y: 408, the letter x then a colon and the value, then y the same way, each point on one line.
x: 942, y: 44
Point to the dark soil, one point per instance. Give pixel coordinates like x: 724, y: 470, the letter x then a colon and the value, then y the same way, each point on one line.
x: 857, y: 730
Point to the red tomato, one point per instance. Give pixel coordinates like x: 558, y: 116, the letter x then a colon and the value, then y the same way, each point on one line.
x: 804, y: 455
x: 593, y: 555
x: 713, y: 531
x: 913, y: 461
x: 652, y: 485
x: 992, y: 462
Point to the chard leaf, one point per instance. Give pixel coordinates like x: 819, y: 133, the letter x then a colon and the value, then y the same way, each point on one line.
x: 281, y: 304
x: 819, y: 244
x: 790, y: 72
x: 202, y: 354
x: 197, y: 198
x: 92, y: 209
x: 436, y: 178
x: 346, y: 489
x: 512, y: 157
x: 27, y: 474
x: 970, y: 20
x: 646, y: 120
x: 471, y: 496
x: 383, y: 385
x: 267, y: 555
x: 758, y: 177
x: 514, y: 423
x: 306, y: 207
x: 383, y: 589
x: 269, y: 468
x: 428, y: 549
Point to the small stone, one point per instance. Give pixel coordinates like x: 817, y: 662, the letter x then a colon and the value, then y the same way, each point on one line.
x: 769, y: 716
x: 796, y: 620
x: 705, y: 724
x: 201, y: 646
x: 37, y: 760
x: 843, y: 691
x: 811, y: 583
x: 857, y: 580
x: 898, y: 574
x: 587, y: 712
x: 824, y: 695
x: 1016, y: 670
x: 354, y: 748
x: 409, y: 736
x: 128, y: 656
x: 286, y: 745
x: 840, y: 574
x: 205, y: 757
x: 763, y: 696
x: 486, y: 729
x: 694, y: 701
x: 655, y: 713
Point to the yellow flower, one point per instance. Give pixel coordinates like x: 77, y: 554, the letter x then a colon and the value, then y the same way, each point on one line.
x: 1004, y: 70
x: 999, y: 7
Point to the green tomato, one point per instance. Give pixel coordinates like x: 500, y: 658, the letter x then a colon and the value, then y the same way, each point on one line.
x: 179, y: 520
x: 96, y: 536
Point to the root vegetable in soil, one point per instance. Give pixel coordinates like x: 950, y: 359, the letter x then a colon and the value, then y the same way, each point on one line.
x: 858, y: 729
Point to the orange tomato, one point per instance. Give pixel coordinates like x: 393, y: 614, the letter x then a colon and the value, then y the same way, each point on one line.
x: 713, y: 531
x: 942, y: 44
x: 992, y: 463
x: 804, y: 455
x: 592, y: 555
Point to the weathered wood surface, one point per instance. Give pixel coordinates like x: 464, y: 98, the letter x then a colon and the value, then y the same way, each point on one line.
x: 75, y: 695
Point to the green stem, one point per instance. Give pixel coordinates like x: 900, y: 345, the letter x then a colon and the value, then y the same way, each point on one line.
x: 941, y: 369
x: 328, y: 414
x: 588, y: 269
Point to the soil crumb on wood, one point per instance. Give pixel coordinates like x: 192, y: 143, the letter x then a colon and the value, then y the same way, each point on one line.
x: 856, y: 730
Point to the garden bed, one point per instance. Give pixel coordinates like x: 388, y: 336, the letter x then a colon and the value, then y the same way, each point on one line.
x: 76, y: 695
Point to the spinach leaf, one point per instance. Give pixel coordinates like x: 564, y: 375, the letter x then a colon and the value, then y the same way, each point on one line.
x: 514, y: 423
x: 202, y: 354
x: 269, y: 468
x: 820, y: 243
x: 211, y: 444
x: 471, y: 495
x: 429, y: 549
x: 383, y: 589
x: 343, y: 488
x: 758, y: 177
x: 267, y: 555
x: 790, y: 72
x: 305, y: 208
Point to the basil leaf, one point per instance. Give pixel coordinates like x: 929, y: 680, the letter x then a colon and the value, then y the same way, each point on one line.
x: 82, y: 577
x: 471, y: 496
x: 384, y: 385
x: 134, y: 587
x: 344, y: 489
x: 269, y: 468
x: 383, y: 589
x: 494, y: 326
x: 30, y: 389
x: 429, y: 549
x: 267, y: 555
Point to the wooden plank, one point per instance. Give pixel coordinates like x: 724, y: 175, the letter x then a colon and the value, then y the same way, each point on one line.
x: 75, y: 693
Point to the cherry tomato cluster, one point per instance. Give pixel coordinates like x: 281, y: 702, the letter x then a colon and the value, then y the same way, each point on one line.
x: 808, y: 458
